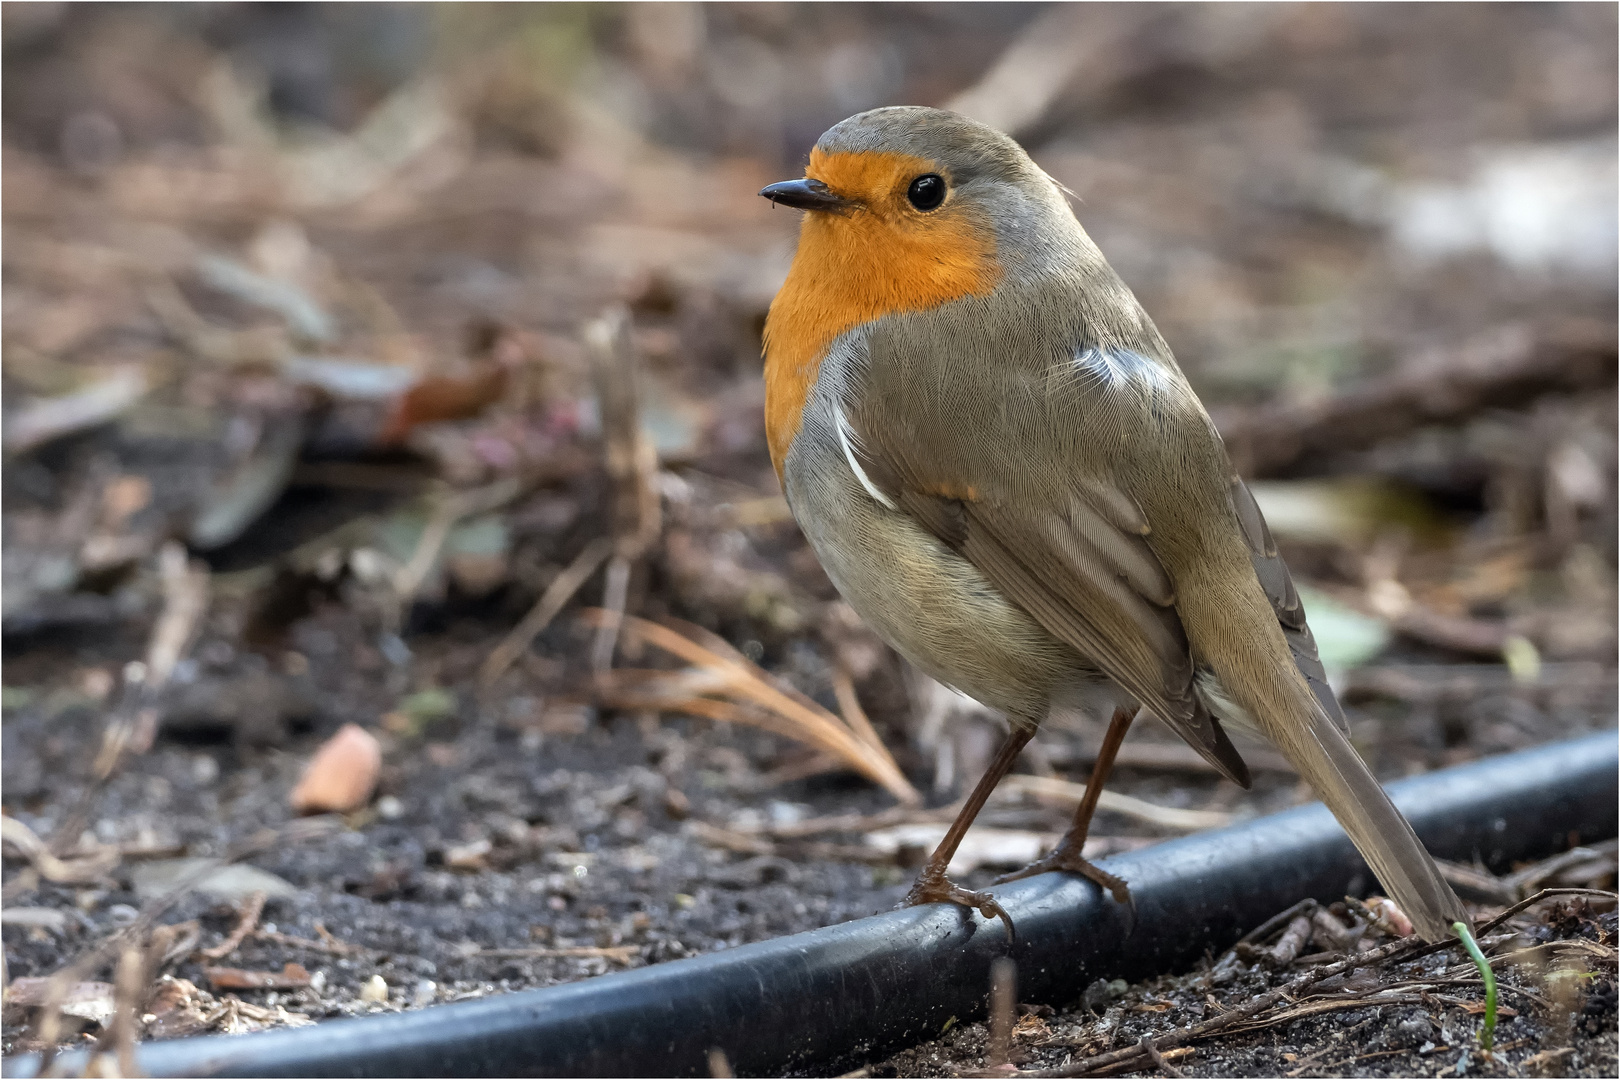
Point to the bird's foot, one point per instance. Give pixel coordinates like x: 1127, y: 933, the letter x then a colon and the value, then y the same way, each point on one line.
x: 1068, y: 860
x: 933, y: 887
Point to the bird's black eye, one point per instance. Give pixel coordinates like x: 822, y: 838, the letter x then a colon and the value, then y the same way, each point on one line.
x: 926, y: 192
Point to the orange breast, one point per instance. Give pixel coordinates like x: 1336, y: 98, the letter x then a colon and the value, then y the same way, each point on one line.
x: 856, y: 267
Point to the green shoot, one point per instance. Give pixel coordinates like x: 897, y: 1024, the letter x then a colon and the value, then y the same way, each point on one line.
x: 1487, y: 1033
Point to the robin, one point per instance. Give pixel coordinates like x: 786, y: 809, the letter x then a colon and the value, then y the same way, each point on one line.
x: 999, y: 464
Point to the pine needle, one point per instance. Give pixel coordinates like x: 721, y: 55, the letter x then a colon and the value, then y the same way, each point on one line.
x: 722, y: 684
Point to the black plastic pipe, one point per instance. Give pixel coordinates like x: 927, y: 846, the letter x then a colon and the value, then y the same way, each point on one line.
x: 830, y: 998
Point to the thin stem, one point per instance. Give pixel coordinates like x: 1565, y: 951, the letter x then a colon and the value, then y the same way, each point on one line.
x: 1487, y: 1033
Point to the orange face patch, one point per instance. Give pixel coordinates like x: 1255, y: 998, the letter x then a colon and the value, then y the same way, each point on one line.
x: 882, y: 257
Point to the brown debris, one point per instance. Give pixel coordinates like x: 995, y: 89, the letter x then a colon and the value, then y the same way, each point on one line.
x: 444, y: 397
x: 342, y: 774
x: 291, y: 977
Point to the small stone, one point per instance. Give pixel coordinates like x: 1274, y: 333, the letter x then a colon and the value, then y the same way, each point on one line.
x: 1414, y: 1027
x: 204, y: 770
x: 468, y: 856
x: 375, y: 990
x: 390, y: 809
x: 1097, y: 996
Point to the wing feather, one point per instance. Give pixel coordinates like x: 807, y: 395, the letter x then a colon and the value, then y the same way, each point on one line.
x: 1067, y: 586
x: 1279, y: 588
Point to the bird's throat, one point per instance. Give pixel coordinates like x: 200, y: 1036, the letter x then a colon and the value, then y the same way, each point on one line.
x: 850, y: 270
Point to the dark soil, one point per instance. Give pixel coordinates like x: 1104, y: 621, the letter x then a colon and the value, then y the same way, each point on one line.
x: 1431, y: 1025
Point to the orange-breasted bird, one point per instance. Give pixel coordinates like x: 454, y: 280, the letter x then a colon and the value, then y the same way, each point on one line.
x: 996, y: 458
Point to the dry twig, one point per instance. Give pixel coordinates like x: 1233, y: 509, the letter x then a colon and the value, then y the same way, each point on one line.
x: 84, y: 870
x: 327, y: 945
x: 246, y: 919
x: 1003, y: 1001
x: 447, y: 511
x: 557, y: 594
x: 134, y: 724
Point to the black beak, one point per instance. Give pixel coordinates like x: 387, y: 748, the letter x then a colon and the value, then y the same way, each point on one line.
x: 807, y: 194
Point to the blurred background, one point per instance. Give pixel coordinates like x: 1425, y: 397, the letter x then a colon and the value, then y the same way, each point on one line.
x: 351, y: 350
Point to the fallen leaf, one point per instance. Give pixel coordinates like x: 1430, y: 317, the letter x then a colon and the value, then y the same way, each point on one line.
x: 92, y: 1001
x: 301, y: 310
x: 342, y: 774
x: 159, y: 877
x: 444, y: 397
x: 242, y: 496
x: 40, y: 421
x: 354, y: 380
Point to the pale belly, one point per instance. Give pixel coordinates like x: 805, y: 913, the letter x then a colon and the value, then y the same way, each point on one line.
x: 929, y: 603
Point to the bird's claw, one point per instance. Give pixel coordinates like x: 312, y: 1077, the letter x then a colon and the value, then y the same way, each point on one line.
x: 1069, y: 861
x: 935, y: 888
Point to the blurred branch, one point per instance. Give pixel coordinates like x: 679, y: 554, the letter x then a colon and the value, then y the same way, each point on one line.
x: 1020, y: 86
x: 631, y: 462
x: 1507, y: 368
x: 1076, y: 50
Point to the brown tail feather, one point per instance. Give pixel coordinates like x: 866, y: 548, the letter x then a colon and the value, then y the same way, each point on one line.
x: 1383, y: 836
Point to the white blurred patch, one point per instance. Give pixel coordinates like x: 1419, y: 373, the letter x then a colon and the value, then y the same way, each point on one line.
x: 1541, y: 209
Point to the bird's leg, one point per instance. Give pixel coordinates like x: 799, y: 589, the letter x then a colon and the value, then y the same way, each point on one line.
x: 1066, y: 856
x: 932, y: 885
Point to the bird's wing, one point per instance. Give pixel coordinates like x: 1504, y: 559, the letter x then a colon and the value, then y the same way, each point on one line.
x: 1077, y: 563
x: 1279, y: 587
